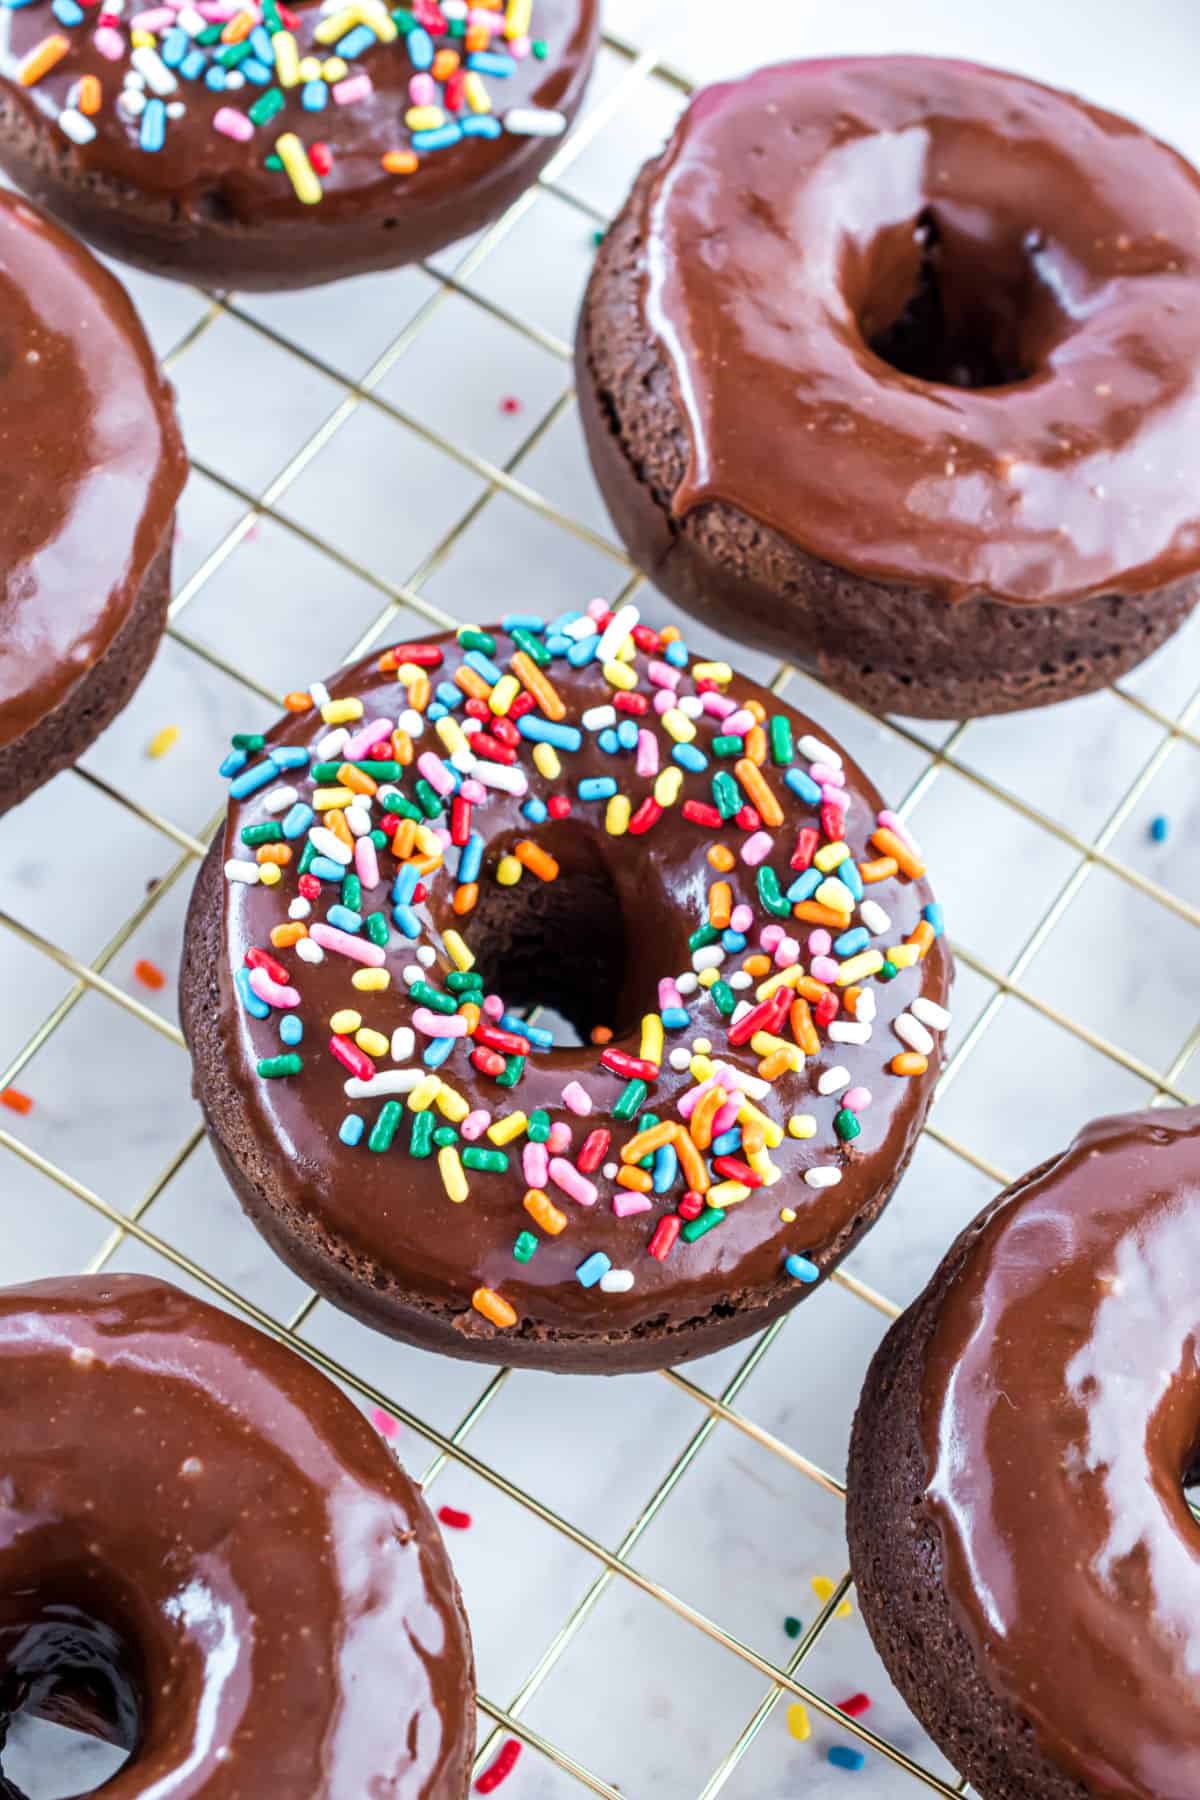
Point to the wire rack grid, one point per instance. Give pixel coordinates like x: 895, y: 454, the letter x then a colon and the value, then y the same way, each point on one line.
x: 1003, y: 983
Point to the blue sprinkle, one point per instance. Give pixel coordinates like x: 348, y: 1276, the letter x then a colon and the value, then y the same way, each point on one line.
x: 314, y: 96
x: 842, y: 1757
x: 193, y: 65
x: 491, y: 62
x: 259, y: 73
x: 733, y: 941
x: 407, y: 921
x: 153, y: 134
x: 800, y: 1269
x: 593, y: 1269
x: 325, y: 869
x: 627, y: 734
x: 235, y: 761
x: 420, y: 48
x: 449, y: 695
x: 547, y: 731
x: 261, y: 45
x: 851, y: 942
x: 481, y: 125
x: 1160, y: 825
x: 804, y: 785
x: 571, y: 617
x: 805, y: 886
x: 558, y: 644
x: 263, y: 773
x: 215, y: 77
x: 688, y: 757
x: 675, y: 1018
x: 297, y: 820
x: 935, y: 916
x: 847, y: 873
x: 344, y: 919
x: 471, y: 859
x: 354, y: 42
x: 290, y: 756
x: 405, y: 884
x: 583, y: 652
x: 441, y: 139
x: 534, y: 810
x: 436, y: 711
x: 523, y: 622
x: 609, y: 742
x: 676, y: 654
x: 666, y: 1168
x: 597, y: 787
x: 249, y: 999
x: 351, y: 1129
x: 67, y: 13
x: 291, y: 1028
x: 538, y: 1036
x: 439, y: 1049
x: 729, y: 1142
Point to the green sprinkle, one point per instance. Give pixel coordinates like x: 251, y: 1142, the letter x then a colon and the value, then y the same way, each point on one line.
x: 525, y: 1246
x: 377, y: 928
x: 271, y: 18
x: 274, y: 163
x: 458, y: 28
x: 538, y: 1127
x: 444, y: 1136
x: 420, y: 1141
x: 470, y: 639
x: 268, y: 833
x: 266, y: 106
x: 247, y: 740
x: 514, y: 1068
x: 378, y: 771
x: 384, y: 1128
x: 210, y: 35
x: 433, y: 998
x: 492, y: 1162
x: 532, y: 646
x: 631, y: 1101
x: 271, y: 1066
x: 464, y: 981
x: 726, y: 795
x: 724, y: 998
x: 352, y: 892
x: 379, y: 839
x: 767, y: 883
x: 396, y: 803
x: 782, y: 750
x: 724, y: 745
x: 703, y: 937
x: 428, y: 799
x: 597, y: 236
x: 696, y: 1228
x: 846, y: 1125
x: 307, y: 857
x: 541, y: 49
x: 404, y: 19
x: 793, y: 1627
x: 889, y: 971
x: 233, y: 54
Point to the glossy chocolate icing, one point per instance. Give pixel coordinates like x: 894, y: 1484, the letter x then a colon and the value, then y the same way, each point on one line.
x: 92, y: 458
x: 1060, y: 1416
x: 795, y: 216
x: 211, y: 180
x: 207, y: 1556
x: 389, y: 1212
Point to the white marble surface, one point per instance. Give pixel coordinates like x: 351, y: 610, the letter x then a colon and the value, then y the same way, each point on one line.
x: 643, y: 1698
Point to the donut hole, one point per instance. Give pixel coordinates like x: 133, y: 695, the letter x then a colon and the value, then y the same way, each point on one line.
x: 72, y: 1712
x: 941, y: 305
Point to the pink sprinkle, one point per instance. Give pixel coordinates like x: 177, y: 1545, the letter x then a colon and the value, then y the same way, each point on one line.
x: 111, y: 45
x: 154, y: 20
x: 364, y: 741
x: 519, y: 48
x: 647, y: 754
x: 787, y: 952
x: 535, y: 1164
x: 756, y: 848
x: 493, y: 1006
x: 726, y: 1116
x: 662, y: 675
x: 819, y: 942
x: 720, y: 705
x: 474, y: 791
x: 366, y: 862
x: 687, y: 1103
x: 834, y: 797
x: 823, y: 968
x: 356, y: 948
x: 435, y: 1025
x: 625, y: 1203
x: 233, y: 124
x: 577, y: 1187
x: 435, y: 772
x: 668, y: 994
x: 356, y: 87
x: 422, y: 90
x: 271, y: 991
x: 595, y: 609
x: 664, y: 700
x: 475, y: 1124
x: 491, y: 22
x: 577, y: 1099
x: 558, y: 1140
x: 857, y: 1099
x: 770, y: 936
x: 384, y: 1423
x: 827, y: 775
x: 739, y: 723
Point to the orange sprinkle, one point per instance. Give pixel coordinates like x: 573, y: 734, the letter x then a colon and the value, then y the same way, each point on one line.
x: 493, y: 1306
x: 721, y: 857
x: 149, y: 974
x: 922, y: 936
x: 296, y: 701
x: 758, y: 793
x: 811, y: 989
x: 803, y: 1029
x: 470, y: 1012
x: 471, y: 683
x: 465, y: 898
x: 402, y: 747
x: 600, y: 1034
x: 42, y: 58
x: 850, y: 1000
x: 478, y: 37
x: 720, y: 904
x: 388, y: 662
x: 756, y: 709
x: 335, y: 819
x: 543, y: 691
x: 539, y: 862
x: 695, y: 1169
x: 756, y: 746
x: 426, y: 865
x: 777, y: 1064
x: 909, y: 1062
x: 405, y: 839
x: 640, y: 1180
x: 757, y: 966
x: 815, y: 914
x: 444, y: 64
x: 284, y: 936
x: 753, y: 1136
x: 889, y: 844
x: 91, y: 95
x: 543, y: 1212
x: 239, y: 27
x: 400, y: 162
x: 420, y: 692
x: 15, y: 1100
x: 882, y: 869
x: 647, y: 1142
x: 703, y: 1114
x: 279, y: 854
x: 356, y: 780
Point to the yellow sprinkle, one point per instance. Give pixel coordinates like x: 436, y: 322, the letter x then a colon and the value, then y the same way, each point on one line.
x: 616, y: 815
x: 372, y: 981
x: 270, y: 874
x: 702, y: 1046
x: 902, y: 956
x: 328, y: 799
x: 344, y: 1022
x: 477, y: 96
x: 287, y: 59
x: 546, y: 761
x: 162, y: 740
x: 308, y: 191
x: 310, y: 68
x: 141, y: 40
x: 787, y: 1215
x: 823, y: 1588
x: 427, y: 841
x: 451, y: 1171
x: 720, y: 672
x: 708, y: 977
x: 451, y: 1104
x: 667, y: 786
x: 380, y: 21
x: 762, y: 1165
x: 618, y: 675
x: 784, y: 978
x: 857, y: 968
x: 335, y: 26
x: 462, y: 958
x: 373, y: 1042
x: 453, y: 737
x: 424, y: 118
x: 508, y: 871
x: 831, y: 856
x: 802, y: 1125
x: 340, y: 712
x: 678, y: 725
x: 798, y: 1725
x: 504, y: 693
x: 772, y: 1130
x: 652, y: 1038
x: 425, y: 1093
x: 763, y: 1042
x: 504, y: 1130
x: 727, y: 1193
x: 835, y: 894
x: 333, y: 69
x: 518, y: 17
x: 493, y: 1306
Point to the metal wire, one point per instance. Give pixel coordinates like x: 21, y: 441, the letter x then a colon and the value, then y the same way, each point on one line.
x: 715, y: 1412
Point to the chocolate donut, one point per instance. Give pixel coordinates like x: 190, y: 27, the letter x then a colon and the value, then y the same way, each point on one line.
x: 1025, y: 1558
x: 209, y: 1558
x: 892, y: 365
x: 578, y: 815
x: 246, y: 143
x: 93, y: 466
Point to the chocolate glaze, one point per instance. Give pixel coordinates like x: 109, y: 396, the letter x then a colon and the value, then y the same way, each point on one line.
x: 92, y: 458
x: 207, y: 1556
x: 186, y: 208
x: 1060, y: 1415
x: 1044, y: 246
x: 384, y: 1222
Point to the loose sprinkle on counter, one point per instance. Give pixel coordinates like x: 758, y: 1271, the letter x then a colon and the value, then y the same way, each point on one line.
x: 798, y: 1722
x: 163, y: 740
x: 842, y: 1757
x: 1160, y: 827
x: 384, y: 802
x: 453, y: 1519
x: 501, y: 1769
x: 15, y: 1100
x: 149, y: 974
x: 385, y: 1425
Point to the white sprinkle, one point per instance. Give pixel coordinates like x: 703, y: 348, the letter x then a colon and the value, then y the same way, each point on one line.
x: 358, y: 818
x: 686, y: 983
x: 392, y: 1081
x: 189, y: 20
x: 235, y: 79
x: 412, y: 972
x: 403, y: 1043
x: 331, y: 746
x: 151, y: 66
x: 740, y: 1011
x: 76, y: 125
x: 680, y: 1058
x: 131, y: 102
x: 910, y: 1031
x: 610, y: 1171
x: 317, y: 692
x: 711, y: 956
x: 864, y: 1012
x: 190, y: 1467
x: 309, y: 952
x: 843, y: 1031
x: 754, y: 1085
x: 236, y: 869
x: 822, y: 1178
x: 536, y: 121
x: 578, y: 629
x: 411, y: 722
x: 691, y: 706
x: 299, y: 908
x: 832, y: 1081
x: 500, y: 775
x: 427, y: 956
x: 176, y: 109
x: 330, y: 845
x: 469, y: 727
x: 741, y: 980
x: 930, y: 1013
x: 134, y: 81
x: 599, y: 718
x: 874, y: 917
x: 625, y: 617
x: 279, y: 799
x: 464, y: 760
x: 812, y: 748
x: 616, y: 1281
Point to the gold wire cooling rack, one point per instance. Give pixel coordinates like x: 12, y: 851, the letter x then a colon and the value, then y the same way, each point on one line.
x: 638, y: 69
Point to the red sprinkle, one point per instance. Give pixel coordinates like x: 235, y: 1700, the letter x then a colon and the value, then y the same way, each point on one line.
x: 768, y: 1015
x: 665, y: 1234
x: 807, y: 840
x: 833, y: 820
x: 748, y: 817
x: 15, y: 1100
x: 460, y: 820
x: 510, y: 404
x: 483, y: 744
x: 505, y: 732
x: 457, y: 1521
x: 647, y: 814
x: 262, y: 959
x: 632, y: 1067
x: 734, y: 1169
x: 699, y: 812
x: 149, y: 974
x: 591, y: 1154
x: 310, y: 887
x: 501, y: 1769
x: 321, y: 157
x: 826, y: 1009
x: 691, y: 1206
x: 558, y: 806
x: 426, y: 656
x: 631, y: 703
x: 855, y: 1705
x: 352, y: 1058
x: 454, y: 89
x: 647, y: 639
x: 488, y: 1062
x: 511, y: 1042
x: 523, y: 704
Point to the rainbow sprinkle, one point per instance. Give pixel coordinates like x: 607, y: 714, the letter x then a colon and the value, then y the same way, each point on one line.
x: 357, y: 826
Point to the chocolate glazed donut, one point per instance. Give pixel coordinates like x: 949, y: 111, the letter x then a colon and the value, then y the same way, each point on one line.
x: 893, y: 367
x: 209, y: 1558
x: 1026, y: 1560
